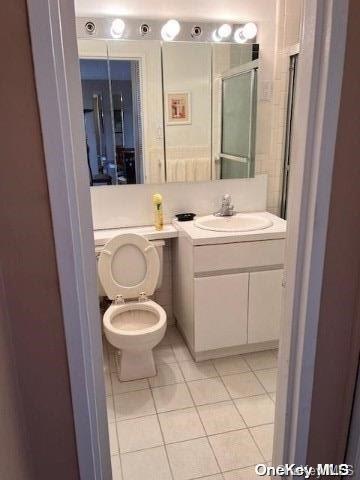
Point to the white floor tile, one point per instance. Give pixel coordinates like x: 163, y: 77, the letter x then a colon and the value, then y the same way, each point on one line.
x: 139, y: 433
x: 112, y: 360
x: 230, y: 365
x: 113, y: 441
x: 134, y: 404
x: 182, y: 352
x: 262, y: 360
x: 172, y: 397
x: 108, y: 389
x: 197, y: 370
x: 210, y: 390
x: 116, y: 467
x: 268, y: 379
x: 235, y: 450
x: 192, y: 459
x: 151, y: 464
x: 164, y: 354
x: 243, y: 385
x: 264, y: 438
x: 244, y: 474
x: 220, y: 417
x: 123, y: 387
x: 256, y: 410
x: 167, y: 374
x: 105, y: 358
x: 273, y: 396
x: 218, y: 476
x: 180, y: 425
x: 172, y: 336
x: 110, y: 409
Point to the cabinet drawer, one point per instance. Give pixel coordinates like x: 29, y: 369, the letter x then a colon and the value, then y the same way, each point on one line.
x: 221, y: 311
x: 210, y: 258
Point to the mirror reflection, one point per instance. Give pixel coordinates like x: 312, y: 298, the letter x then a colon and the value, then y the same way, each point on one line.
x: 170, y: 112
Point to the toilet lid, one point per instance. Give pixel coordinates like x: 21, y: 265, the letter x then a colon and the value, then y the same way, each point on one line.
x: 128, y: 265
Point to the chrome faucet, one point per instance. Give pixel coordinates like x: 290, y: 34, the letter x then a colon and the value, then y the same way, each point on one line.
x: 227, y: 209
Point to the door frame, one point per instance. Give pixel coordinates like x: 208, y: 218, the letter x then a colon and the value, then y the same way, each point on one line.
x: 316, y: 111
x: 52, y: 23
x: 58, y: 84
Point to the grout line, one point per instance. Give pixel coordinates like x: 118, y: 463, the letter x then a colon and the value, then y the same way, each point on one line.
x: 266, y: 390
x: 198, y: 414
x: 186, y: 382
x: 184, y: 408
x: 162, y: 436
x: 248, y: 429
x: 202, y: 423
x: 113, y: 353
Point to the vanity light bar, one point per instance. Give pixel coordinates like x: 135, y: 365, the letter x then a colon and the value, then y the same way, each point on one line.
x: 166, y: 30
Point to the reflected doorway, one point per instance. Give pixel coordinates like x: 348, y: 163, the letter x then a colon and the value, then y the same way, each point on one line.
x: 111, y: 102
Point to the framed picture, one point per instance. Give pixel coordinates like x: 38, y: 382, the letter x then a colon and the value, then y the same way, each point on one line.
x: 178, y: 108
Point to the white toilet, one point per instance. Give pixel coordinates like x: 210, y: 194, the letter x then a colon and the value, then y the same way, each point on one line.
x: 129, y: 269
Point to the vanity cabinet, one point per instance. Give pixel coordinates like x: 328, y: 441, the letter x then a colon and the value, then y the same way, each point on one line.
x: 227, y: 297
x: 264, y: 309
x: 220, y: 317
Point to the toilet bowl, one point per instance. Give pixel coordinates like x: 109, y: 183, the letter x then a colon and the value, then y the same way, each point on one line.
x: 129, y: 268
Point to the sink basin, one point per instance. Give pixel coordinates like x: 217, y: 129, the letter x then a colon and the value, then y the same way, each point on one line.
x: 241, y: 222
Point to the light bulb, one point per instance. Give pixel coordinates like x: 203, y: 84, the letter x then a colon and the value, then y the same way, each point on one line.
x: 245, y: 33
x: 239, y: 36
x: 117, y: 28
x: 215, y: 36
x: 224, y: 31
x: 249, y: 30
x: 170, y: 30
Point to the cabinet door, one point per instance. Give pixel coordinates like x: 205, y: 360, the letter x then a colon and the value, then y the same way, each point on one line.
x: 221, y: 311
x: 265, y: 298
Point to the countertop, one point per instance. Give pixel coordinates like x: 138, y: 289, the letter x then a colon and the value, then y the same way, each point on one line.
x: 149, y: 232
x: 195, y: 235
x: 198, y: 236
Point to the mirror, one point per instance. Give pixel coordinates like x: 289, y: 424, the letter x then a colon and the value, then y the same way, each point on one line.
x: 169, y: 111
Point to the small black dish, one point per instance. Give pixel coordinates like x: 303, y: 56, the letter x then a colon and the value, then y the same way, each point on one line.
x: 185, y: 217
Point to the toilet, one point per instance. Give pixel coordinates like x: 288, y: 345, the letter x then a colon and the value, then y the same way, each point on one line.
x: 129, y: 269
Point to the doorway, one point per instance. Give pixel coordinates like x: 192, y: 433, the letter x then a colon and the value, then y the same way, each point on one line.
x: 112, y: 116
x: 79, y: 238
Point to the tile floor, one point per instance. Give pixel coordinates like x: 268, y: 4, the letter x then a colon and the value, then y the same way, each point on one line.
x: 211, y: 420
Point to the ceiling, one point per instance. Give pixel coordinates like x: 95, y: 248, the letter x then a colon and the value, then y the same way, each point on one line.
x: 232, y: 10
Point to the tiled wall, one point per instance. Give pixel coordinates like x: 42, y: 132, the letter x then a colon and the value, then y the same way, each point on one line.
x: 288, y: 21
x: 131, y: 205
x: 163, y: 296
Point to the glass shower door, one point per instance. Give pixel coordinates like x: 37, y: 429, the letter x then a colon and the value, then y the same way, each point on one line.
x: 238, y: 125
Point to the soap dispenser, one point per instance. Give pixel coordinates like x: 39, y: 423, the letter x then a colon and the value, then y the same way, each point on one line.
x: 158, y: 206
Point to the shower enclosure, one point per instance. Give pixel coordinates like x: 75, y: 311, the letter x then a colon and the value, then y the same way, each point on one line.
x: 238, y: 123
x: 288, y: 135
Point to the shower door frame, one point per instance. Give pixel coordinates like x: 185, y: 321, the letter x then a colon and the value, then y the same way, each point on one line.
x: 59, y: 95
x: 252, y: 68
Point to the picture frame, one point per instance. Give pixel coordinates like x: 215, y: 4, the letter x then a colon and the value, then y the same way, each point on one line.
x: 178, y: 108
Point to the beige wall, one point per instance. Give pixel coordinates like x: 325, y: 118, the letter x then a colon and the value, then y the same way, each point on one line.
x: 287, y: 35
x: 15, y: 461
x: 36, y: 413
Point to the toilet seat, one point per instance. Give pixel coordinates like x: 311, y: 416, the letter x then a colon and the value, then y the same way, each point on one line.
x: 141, y: 321
x: 129, y: 268
x: 143, y: 251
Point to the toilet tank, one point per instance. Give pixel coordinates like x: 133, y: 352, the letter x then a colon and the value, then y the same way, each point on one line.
x: 158, y: 244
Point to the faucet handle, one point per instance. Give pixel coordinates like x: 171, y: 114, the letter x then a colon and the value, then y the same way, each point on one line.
x: 226, y: 199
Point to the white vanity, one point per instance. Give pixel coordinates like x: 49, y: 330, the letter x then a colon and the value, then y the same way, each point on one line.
x: 228, y: 287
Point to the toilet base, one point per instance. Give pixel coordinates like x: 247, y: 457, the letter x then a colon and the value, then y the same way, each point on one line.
x: 135, y: 364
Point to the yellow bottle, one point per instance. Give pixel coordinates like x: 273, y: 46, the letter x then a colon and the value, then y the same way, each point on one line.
x: 159, y: 221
